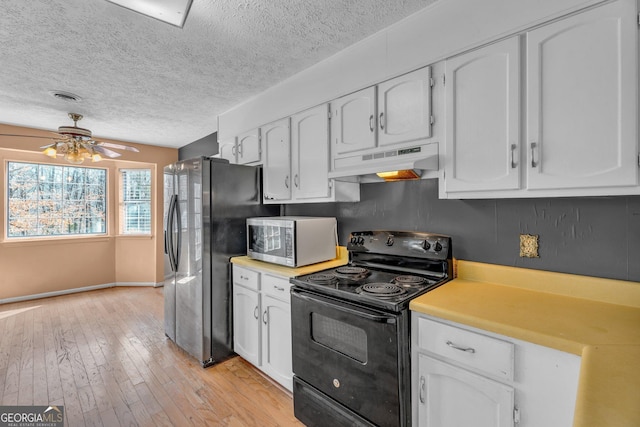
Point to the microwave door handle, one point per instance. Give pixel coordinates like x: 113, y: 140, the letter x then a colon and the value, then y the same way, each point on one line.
x: 344, y: 309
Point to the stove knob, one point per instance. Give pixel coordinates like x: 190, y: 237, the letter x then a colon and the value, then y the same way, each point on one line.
x: 354, y: 240
x: 361, y: 240
x: 426, y: 245
x: 389, y: 241
x: 438, y: 247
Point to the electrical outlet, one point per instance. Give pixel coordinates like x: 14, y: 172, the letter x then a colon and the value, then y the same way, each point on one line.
x: 529, y: 245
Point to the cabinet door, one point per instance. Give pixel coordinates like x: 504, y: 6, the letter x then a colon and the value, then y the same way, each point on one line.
x: 227, y: 150
x: 276, y: 340
x: 581, y: 92
x: 451, y: 396
x: 404, y: 108
x: 483, y: 118
x: 246, y: 324
x: 353, y: 122
x: 276, y: 138
x: 248, y: 147
x: 310, y: 149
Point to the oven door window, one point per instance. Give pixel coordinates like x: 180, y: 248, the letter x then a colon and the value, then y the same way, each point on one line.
x: 339, y: 336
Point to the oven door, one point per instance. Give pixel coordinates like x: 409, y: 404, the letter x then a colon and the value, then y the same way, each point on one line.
x: 355, y: 355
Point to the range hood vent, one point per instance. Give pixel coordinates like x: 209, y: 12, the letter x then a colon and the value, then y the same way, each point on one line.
x: 411, y: 163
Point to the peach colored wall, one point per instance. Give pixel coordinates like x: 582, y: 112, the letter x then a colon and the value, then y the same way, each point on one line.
x: 30, y: 267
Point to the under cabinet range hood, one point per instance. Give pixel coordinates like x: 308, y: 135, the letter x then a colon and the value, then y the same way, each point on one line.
x: 410, y: 162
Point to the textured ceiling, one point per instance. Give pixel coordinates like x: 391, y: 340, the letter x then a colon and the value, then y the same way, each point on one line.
x: 145, y: 81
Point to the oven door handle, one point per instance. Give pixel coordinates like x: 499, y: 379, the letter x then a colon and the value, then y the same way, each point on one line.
x: 391, y: 319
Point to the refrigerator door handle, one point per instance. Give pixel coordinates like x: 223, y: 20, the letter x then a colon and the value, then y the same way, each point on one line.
x: 179, y: 227
x: 169, y: 233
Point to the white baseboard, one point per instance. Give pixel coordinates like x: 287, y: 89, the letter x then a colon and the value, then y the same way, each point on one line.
x: 76, y: 290
x: 153, y: 284
x: 56, y: 293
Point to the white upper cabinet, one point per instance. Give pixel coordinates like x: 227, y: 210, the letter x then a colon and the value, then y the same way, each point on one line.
x: 227, y: 150
x: 310, y: 153
x: 372, y: 122
x: 353, y: 121
x: 297, y: 161
x: 276, y: 138
x: 482, y: 142
x: 248, y: 149
x: 581, y: 100
x: 404, y: 108
x: 579, y: 81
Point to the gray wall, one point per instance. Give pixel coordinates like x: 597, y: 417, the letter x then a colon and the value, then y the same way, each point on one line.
x: 595, y: 236
x: 207, y: 146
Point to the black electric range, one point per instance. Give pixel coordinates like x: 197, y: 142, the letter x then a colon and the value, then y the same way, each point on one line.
x: 387, y: 269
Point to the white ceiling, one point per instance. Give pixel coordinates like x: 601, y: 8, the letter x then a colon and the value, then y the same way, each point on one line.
x: 143, y: 80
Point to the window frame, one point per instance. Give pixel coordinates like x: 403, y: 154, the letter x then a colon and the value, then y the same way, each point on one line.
x: 8, y: 238
x: 121, y: 214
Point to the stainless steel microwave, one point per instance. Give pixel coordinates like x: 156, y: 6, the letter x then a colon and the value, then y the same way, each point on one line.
x: 293, y: 241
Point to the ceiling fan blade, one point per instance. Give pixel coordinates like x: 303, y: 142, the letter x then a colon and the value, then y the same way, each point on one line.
x: 117, y: 146
x: 105, y: 151
x: 28, y: 136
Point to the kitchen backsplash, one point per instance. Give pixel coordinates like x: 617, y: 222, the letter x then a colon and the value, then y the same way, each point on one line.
x: 595, y: 236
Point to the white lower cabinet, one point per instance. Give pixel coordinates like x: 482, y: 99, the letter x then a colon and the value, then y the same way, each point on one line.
x: 463, y: 376
x: 262, y: 322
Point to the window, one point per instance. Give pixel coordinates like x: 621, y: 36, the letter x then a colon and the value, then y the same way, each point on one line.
x: 49, y: 200
x: 135, y: 205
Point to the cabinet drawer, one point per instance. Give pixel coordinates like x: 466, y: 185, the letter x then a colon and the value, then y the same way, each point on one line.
x: 245, y: 277
x: 476, y: 351
x: 276, y: 287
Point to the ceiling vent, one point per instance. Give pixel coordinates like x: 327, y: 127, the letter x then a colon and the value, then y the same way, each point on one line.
x: 65, y: 96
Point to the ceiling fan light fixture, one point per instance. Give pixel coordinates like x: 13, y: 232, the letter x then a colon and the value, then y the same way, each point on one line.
x: 50, y: 151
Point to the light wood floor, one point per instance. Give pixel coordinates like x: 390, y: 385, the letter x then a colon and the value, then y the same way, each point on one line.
x: 104, y: 356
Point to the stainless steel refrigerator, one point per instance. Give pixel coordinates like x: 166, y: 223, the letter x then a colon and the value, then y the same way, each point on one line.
x: 206, y: 203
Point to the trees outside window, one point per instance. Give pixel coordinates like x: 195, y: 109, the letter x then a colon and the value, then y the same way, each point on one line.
x: 135, y: 201
x: 50, y: 200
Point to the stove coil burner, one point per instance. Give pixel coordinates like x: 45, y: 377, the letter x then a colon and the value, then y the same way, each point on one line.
x: 352, y: 273
x: 381, y: 290
x: 323, y: 279
x: 409, y: 280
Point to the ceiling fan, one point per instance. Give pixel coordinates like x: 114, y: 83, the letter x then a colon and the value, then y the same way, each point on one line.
x: 76, y: 144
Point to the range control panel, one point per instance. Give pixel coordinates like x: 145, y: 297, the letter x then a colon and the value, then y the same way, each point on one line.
x: 401, y: 243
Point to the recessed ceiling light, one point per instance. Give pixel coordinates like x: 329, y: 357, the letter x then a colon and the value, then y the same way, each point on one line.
x: 173, y: 12
x: 65, y: 96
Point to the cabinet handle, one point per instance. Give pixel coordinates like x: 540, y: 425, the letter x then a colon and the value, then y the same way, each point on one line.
x: 255, y: 312
x: 513, y: 161
x: 233, y: 150
x: 381, y: 121
x: 371, y: 125
x: 533, y: 152
x: 296, y: 181
x: 455, y: 347
x: 264, y: 317
x: 422, y: 389
x: 286, y: 181
x: 240, y: 150
x: 278, y: 288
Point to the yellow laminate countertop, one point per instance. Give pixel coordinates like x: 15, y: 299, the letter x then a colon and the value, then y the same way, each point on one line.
x: 597, y: 319
x: 342, y: 258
